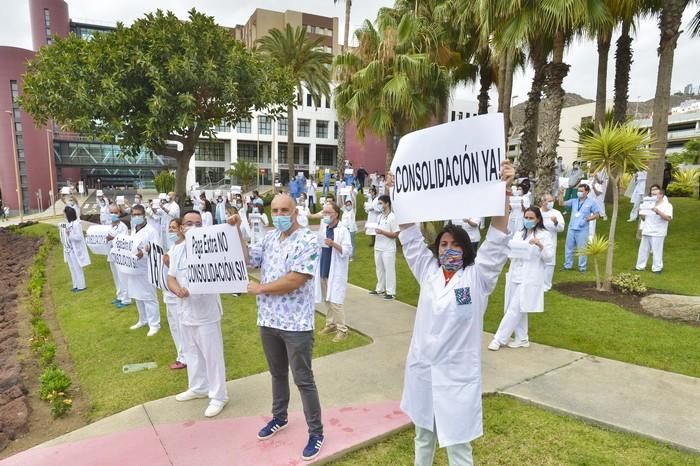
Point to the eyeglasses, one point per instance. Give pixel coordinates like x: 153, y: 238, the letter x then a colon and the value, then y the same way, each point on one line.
x: 192, y: 224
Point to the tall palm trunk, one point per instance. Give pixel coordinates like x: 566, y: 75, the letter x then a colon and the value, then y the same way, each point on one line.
x: 623, y: 64
x: 615, y: 183
x: 528, y: 143
x: 602, y: 79
x: 500, y: 79
x: 669, y: 23
x: 290, y: 142
x: 556, y: 72
x: 340, y: 156
x: 507, y: 92
x: 485, y: 81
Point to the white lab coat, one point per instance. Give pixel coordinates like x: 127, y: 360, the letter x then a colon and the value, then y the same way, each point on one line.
x: 258, y: 222
x: 530, y: 293
x: 105, y: 217
x: 75, y: 244
x: 137, y: 283
x: 338, y: 274
x: 303, y: 213
x: 442, y: 381
x: 553, y: 229
x: 167, y: 217
x: 207, y: 220
x: 372, y: 215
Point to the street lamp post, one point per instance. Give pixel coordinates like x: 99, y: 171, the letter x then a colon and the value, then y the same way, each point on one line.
x: 16, y: 159
x: 51, y: 186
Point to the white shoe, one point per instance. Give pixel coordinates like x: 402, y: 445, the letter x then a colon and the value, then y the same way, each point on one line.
x: 214, y: 408
x: 519, y: 344
x: 152, y: 331
x: 137, y: 325
x: 189, y: 395
x: 494, y: 345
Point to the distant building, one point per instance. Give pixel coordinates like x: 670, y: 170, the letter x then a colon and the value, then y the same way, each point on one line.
x: 688, y: 89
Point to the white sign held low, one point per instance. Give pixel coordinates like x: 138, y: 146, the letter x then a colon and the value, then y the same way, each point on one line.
x: 123, y: 254
x: 215, y: 261
x: 157, y: 272
x: 449, y: 171
x: 96, y: 239
x: 648, y: 203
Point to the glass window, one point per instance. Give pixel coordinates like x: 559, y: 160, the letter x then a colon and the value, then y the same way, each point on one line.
x: 325, y: 156
x: 244, y: 126
x: 303, y: 127
x: 453, y: 116
x: 247, y: 151
x: 321, y: 129
x: 282, y: 126
x: 264, y: 125
x: 335, y: 130
x: 461, y: 115
x: 328, y: 102
x: 309, y: 100
x: 301, y: 156
x: 282, y: 153
x: 222, y: 128
x: 300, y: 99
x: 211, y: 151
x: 209, y: 175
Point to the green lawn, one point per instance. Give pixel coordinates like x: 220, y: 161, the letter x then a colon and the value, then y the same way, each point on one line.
x: 518, y: 433
x: 100, y: 342
x: 592, y: 327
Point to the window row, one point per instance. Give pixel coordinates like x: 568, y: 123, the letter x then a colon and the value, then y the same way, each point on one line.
x: 459, y: 115
x: 303, y: 127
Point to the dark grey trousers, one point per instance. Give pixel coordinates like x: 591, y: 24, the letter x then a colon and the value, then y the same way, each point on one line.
x: 285, y: 350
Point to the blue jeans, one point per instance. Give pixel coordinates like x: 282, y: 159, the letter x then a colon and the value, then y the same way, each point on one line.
x: 575, y: 239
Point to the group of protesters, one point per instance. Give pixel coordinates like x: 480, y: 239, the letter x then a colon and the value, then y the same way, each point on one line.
x: 300, y: 268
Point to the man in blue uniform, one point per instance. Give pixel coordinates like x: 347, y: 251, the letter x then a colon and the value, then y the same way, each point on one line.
x: 583, y: 210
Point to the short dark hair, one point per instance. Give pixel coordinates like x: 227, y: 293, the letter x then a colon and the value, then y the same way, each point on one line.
x: 584, y: 186
x: 335, y: 207
x: 538, y: 213
x: 192, y: 211
x: 462, y: 238
x: 138, y: 207
x: 71, y: 215
x: 654, y: 186
x: 385, y: 199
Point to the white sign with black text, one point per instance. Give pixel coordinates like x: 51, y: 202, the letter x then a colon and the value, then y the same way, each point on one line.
x: 157, y: 271
x: 215, y: 261
x: 96, y: 239
x: 450, y: 171
x: 123, y: 254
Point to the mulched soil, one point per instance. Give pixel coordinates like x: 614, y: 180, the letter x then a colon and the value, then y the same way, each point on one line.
x: 632, y: 303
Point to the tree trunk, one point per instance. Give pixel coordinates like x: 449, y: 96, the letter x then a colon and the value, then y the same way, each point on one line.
x: 485, y: 81
x: 290, y: 143
x: 500, y: 80
x: 546, y: 161
x: 528, y: 142
x: 508, y: 92
x: 346, y: 29
x: 340, y: 156
x: 669, y: 23
x: 615, y: 182
x: 623, y: 64
x: 602, y: 81
x: 389, y: 150
x: 597, y: 274
x: 183, y: 167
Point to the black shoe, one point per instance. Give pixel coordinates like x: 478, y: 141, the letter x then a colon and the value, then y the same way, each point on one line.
x: 564, y: 269
x: 375, y: 293
x: 388, y: 297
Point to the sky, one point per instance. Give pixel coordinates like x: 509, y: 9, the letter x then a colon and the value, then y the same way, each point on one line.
x: 582, y: 55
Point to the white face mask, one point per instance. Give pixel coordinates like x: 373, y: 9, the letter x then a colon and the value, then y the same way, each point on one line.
x: 550, y: 205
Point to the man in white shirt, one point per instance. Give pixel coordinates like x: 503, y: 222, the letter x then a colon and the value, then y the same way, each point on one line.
x: 200, y: 324
x: 554, y: 223
x: 654, y: 230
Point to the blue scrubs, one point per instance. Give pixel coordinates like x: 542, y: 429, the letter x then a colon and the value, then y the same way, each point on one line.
x: 577, y: 235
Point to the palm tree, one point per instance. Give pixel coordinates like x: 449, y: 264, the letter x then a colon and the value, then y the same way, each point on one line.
x: 340, y: 158
x: 617, y: 149
x: 244, y: 172
x: 389, y: 84
x: 669, y: 24
x: 306, y: 63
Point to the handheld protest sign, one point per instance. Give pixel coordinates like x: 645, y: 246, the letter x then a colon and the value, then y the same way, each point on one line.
x: 157, y: 271
x: 120, y: 200
x: 123, y: 254
x: 215, y: 261
x: 647, y: 206
x: 450, y: 171
x: 96, y: 239
x: 63, y: 232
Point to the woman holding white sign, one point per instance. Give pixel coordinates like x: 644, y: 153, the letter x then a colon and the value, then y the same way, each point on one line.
x: 385, y: 250
x: 442, y: 386
x: 654, y: 230
x: 75, y: 252
x: 530, y: 251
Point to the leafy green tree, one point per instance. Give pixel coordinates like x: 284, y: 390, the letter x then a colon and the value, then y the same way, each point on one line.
x: 617, y: 149
x: 159, y: 81
x: 596, y: 247
x: 164, y: 182
x: 305, y: 63
x: 690, y: 153
x: 245, y: 172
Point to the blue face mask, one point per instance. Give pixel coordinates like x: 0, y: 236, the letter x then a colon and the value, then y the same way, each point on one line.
x: 327, y: 219
x: 173, y: 237
x: 529, y: 224
x: 137, y: 221
x: 114, y: 218
x: 282, y: 222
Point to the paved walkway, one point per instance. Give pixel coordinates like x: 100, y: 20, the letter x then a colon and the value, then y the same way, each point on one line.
x: 368, y: 381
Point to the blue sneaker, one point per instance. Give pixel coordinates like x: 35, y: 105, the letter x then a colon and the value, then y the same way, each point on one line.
x: 313, y: 448
x: 121, y: 305
x: 115, y: 301
x: 272, y: 427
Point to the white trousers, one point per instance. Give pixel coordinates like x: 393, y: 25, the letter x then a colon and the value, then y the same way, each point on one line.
x: 591, y: 229
x: 203, y: 348
x: 175, y: 330
x: 634, y: 213
x: 76, y: 272
x: 149, y: 312
x: 120, y: 283
x: 655, y: 245
x: 457, y: 455
x: 385, y: 263
x: 548, y: 274
x: 513, y: 320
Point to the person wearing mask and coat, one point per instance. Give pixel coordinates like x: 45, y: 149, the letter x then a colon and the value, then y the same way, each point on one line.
x: 554, y: 223
x: 75, y: 252
x: 654, y: 231
x: 120, y: 279
x: 140, y: 288
x: 530, y: 251
x: 442, y: 379
x: 332, y: 272
x: 373, y: 211
x: 385, y: 250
